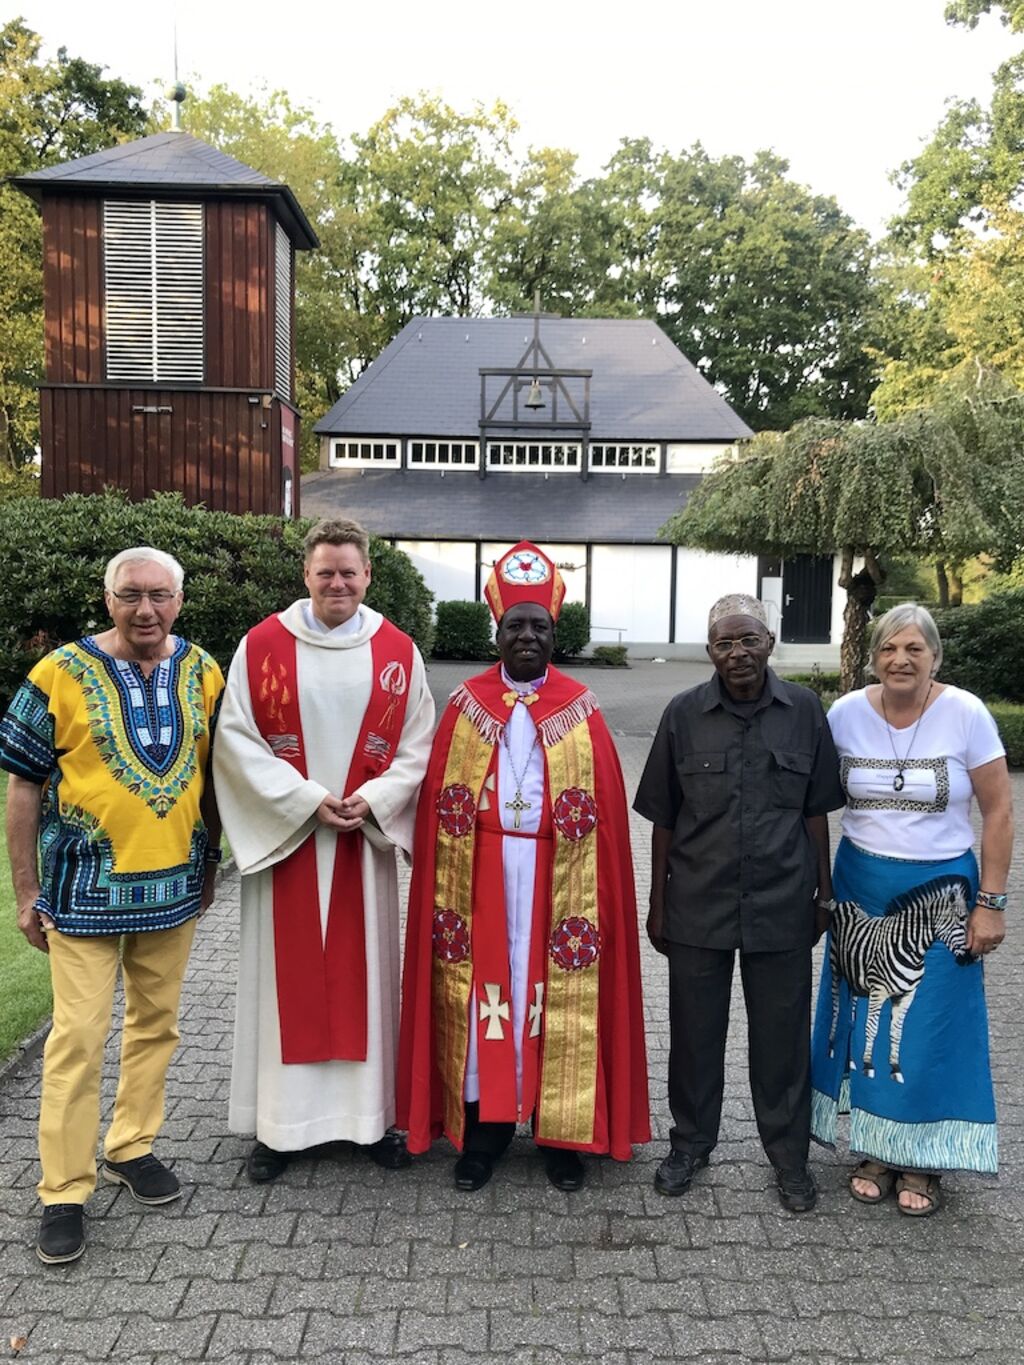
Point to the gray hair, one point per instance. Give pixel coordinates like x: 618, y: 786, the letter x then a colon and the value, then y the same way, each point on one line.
x: 901, y: 617
x: 143, y: 554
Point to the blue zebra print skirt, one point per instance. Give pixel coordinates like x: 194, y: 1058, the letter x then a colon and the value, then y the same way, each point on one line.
x: 942, y: 1117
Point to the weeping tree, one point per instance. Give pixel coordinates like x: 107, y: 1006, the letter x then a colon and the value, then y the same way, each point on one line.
x: 944, y: 483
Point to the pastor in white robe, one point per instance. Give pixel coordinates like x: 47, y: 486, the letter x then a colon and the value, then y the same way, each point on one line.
x: 268, y: 810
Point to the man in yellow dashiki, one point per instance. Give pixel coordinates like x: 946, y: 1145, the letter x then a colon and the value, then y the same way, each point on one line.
x: 114, y: 838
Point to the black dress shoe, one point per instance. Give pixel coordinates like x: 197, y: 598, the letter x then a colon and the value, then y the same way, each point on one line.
x: 564, y: 1169
x: 473, y: 1170
x: 676, y: 1172
x: 389, y: 1151
x: 797, y: 1190
x: 148, y: 1180
x: 264, y: 1164
x: 61, y: 1236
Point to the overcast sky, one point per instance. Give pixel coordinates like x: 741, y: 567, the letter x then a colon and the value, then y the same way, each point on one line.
x: 845, y: 91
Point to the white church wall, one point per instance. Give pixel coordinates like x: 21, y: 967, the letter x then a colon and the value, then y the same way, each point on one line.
x: 630, y: 593
x: 448, y: 566
x: 701, y: 578
x: 692, y: 457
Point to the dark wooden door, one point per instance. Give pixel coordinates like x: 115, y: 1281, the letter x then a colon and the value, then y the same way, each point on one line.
x: 807, y: 599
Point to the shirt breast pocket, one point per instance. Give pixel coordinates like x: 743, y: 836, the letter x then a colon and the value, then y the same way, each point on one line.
x: 791, y: 774
x: 705, y: 782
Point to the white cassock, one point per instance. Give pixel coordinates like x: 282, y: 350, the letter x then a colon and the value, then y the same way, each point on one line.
x: 519, y: 755
x: 268, y: 809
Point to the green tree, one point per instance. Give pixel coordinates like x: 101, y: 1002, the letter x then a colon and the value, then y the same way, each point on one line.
x: 50, y: 111
x: 969, y: 12
x: 937, y: 483
x: 766, y: 286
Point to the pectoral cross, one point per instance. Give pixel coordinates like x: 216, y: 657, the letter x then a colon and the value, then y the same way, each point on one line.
x: 536, y: 1008
x: 518, y: 805
x: 493, y: 1010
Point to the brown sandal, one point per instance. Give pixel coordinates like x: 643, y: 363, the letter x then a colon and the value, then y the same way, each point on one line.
x: 880, y: 1176
x: 919, y: 1182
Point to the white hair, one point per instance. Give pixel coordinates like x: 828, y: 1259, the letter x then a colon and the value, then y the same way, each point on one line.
x: 902, y: 617
x: 143, y: 554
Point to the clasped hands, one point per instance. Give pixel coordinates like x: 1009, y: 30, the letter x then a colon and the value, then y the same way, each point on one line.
x: 345, y: 814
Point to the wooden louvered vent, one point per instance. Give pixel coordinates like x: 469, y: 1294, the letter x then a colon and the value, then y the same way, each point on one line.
x: 283, y: 312
x: 153, y: 278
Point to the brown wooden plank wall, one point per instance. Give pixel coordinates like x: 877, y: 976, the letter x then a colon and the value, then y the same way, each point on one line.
x: 239, y: 278
x: 215, y: 448
x: 73, y: 288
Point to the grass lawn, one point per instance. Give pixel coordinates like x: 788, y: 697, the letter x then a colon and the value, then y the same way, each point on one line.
x: 24, y: 974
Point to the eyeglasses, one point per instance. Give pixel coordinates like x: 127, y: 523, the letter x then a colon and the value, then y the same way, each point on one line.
x: 132, y: 597
x: 723, y: 648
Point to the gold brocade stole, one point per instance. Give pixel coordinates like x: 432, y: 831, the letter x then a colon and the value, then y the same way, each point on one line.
x: 568, y: 1080
x: 469, y: 757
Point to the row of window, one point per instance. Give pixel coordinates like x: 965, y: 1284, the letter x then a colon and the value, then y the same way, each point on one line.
x: 153, y: 284
x: 558, y: 455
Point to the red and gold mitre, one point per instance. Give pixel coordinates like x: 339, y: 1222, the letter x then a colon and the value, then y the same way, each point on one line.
x: 525, y: 574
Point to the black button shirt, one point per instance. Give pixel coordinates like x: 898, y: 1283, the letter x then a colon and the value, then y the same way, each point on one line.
x: 733, y: 781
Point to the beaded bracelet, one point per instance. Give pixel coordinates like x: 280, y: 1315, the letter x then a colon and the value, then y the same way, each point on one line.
x: 991, y: 900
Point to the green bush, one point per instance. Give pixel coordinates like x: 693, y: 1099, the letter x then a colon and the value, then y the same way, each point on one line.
x: 611, y: 656
x: 983, y: 646
x: 238, y: 569
x: 463, y: 631
x: 572, y: 631
x: 825, y: 684
x: 1010, y: 719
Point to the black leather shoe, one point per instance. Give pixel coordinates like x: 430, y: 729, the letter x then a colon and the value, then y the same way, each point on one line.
x: 61, y: 1236
x: 389, y: 1151
x: 148, y: 1180
x: 676, y: 1172
x: 564, y: 1169
x: 797, y: 1190
x: 263, y: 1164
x: 473, y: 1170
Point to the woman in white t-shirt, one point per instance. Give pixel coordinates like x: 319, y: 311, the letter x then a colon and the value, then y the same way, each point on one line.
x: 914, y: 752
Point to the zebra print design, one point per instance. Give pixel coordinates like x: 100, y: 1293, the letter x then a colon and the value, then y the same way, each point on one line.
x: 882, y: 957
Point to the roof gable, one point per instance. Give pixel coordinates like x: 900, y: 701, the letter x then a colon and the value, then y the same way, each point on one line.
x: 426, y: 382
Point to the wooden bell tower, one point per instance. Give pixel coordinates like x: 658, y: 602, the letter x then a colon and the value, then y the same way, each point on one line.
x: 169, y: 305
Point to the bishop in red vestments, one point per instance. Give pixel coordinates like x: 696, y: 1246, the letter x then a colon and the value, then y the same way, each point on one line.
x: 521, y: 997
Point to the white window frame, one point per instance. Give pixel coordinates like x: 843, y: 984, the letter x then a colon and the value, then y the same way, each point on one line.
x: 358, y: 453
x: 154, y: 291
x: 620, y: 457
x: 444, y: 453
x: 538, y: 456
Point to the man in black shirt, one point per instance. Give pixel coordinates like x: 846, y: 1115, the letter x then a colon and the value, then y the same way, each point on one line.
x: 738, y: 785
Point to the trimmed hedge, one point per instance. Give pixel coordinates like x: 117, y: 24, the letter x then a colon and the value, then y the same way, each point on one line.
x: 238, y: 569
x: 463, y: 631
x: 572, y: 631
x: 983, y: 645
x: 1010, y: 720
x: 611, y: 656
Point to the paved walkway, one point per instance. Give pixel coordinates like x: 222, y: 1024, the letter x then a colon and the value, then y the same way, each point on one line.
x: 339, y: 1261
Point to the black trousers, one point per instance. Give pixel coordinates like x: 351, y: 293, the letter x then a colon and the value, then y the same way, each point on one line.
x: 777, y: 991
x: 485, y: 1139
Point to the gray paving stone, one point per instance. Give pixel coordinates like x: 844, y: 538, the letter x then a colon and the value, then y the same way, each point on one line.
x: 341, y: 1263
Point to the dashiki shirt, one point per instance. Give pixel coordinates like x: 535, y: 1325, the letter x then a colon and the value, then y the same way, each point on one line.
x: 122, y: 843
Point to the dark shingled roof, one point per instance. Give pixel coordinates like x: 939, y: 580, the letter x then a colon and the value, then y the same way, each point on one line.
x: 416, y: 504
x: 172, y: 163
x: 427, y: 383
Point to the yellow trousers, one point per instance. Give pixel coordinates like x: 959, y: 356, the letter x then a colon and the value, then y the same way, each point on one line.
x: 84, y: 974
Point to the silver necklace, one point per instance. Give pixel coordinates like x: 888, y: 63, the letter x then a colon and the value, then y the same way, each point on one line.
x: 899, y: 782
x: 517, y: 805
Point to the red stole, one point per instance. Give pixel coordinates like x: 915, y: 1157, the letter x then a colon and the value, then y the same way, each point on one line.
x: 321, y: 986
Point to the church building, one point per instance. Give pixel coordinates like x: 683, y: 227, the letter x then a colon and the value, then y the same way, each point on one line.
x: 584, y: 435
